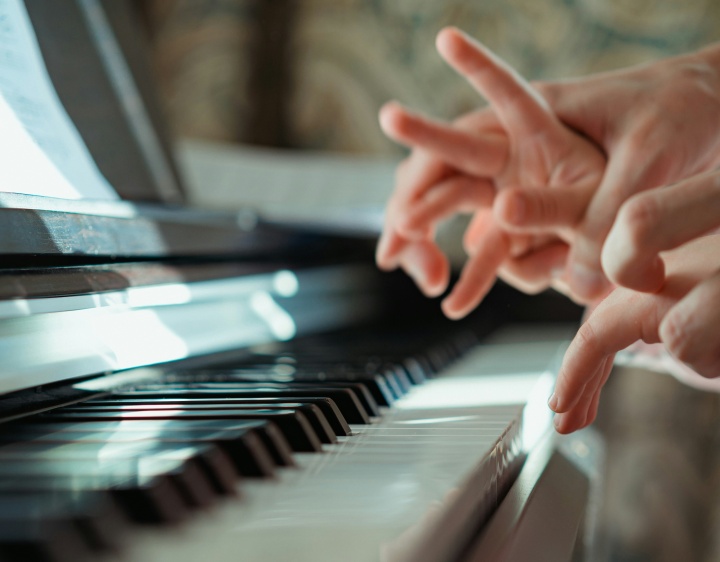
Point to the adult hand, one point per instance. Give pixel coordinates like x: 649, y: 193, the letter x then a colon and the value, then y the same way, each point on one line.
x: 682, y: 315
x: 460, y: 167
x: 657, y: 123
x: 655, y: 221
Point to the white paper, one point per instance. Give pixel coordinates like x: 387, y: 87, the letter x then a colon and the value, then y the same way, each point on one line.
x: 339, y: 191
x: 41, y: 151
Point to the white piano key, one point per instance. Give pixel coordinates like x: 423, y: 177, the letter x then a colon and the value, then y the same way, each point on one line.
x: 411, y: 487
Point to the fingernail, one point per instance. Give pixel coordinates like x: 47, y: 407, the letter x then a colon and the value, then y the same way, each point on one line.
x: 557, y: 422
x: 586, y: 282
x: 553, y: 402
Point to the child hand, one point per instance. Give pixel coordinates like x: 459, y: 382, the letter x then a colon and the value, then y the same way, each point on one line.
x: 461, y: 167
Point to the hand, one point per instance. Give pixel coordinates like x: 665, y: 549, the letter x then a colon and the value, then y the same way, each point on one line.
x: 683, y: 315
x: 657, y: 123
x: 460, y: 167
x: 655, y: 221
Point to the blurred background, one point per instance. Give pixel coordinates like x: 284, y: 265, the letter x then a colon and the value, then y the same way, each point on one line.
x: 310, y: 75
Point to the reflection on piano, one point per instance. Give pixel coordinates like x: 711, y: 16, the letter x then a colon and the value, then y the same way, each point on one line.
x: 180, y: 384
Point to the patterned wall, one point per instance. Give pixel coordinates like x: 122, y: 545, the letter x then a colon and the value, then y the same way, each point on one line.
x: 346, y: 57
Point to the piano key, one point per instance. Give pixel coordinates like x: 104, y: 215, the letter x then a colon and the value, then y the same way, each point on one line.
x: 210, y: 459
x: 255, y: 455
x: 294, y: 425
x: 359, y: 389
x: 314, y: 414
x: 145, y: 498
x: 328, y: 407
x: 182, y: 470
x: 395, y: 372
x: 93, y: 513
x: 46, y: 537
x: 344, y: 398
x: 383, y: 387
x: 413, y: 369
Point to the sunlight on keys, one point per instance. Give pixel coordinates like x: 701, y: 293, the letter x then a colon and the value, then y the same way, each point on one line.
x: 281, y: 324
x: 485, y: 390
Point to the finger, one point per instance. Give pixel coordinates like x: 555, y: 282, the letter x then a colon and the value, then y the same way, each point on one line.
x: 479, y: 155
x: 425, y: 263
x: 519, y: 209
x: 630, y: 256
x: 573, y: 419
x: 593, y: 410
x: 518, y: 106
x: 479, y: 273
x: 620, y: 320
x: 414, y: 175
x: 537, y: 269
x: 691, y: 329
x: 518, y: 244
x: 574, y: 102
x: 458, y: 194
x: 625, y: 175
x: 388, y: 250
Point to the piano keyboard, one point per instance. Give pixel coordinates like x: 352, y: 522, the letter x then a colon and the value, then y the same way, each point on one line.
x: 333, y: 448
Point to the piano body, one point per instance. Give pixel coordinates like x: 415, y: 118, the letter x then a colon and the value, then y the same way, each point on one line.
x: 180, y: 384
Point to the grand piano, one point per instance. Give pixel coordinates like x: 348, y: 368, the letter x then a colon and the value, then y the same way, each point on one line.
x: 179, y: 384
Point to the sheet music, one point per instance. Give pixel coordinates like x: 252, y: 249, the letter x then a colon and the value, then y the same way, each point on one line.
x: 41, y: 151
x: 341, y: 191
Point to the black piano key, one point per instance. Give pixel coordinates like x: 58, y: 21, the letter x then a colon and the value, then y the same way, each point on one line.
x: 261, y: 447
x: 220, y: 468
x: 328, y: 407
x: 45, y: 538
x: 209, y: 458
x: 362, y: 393
x: 409, y: 369
x: 193, y: 486
x: 233, y: 443
x: 401, y: 373
x: 415, y: 370
x: 315, y: 415
x: 292, y: 424
x: 359, y: 389
x: 345, y: 399
x: 145, y: 499
x: 383, y: 386
x: 181, y: 469
x: 93, y: 513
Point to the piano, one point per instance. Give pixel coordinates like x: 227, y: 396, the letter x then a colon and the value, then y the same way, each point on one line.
x: 179, y: 384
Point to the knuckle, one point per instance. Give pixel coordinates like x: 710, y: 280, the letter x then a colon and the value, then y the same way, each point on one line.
x: 587, y: 338
x: 548, y: 207
x: 675, y: 335
x: 639, y: 218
